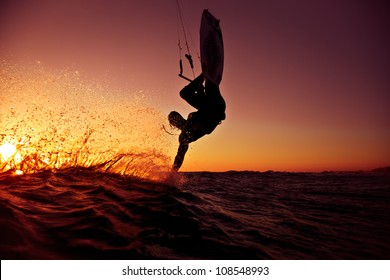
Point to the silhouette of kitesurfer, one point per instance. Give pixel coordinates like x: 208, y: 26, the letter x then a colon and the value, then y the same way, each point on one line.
x: 211, y: 111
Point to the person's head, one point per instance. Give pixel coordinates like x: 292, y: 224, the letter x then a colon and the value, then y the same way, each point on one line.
x: 176, y: 120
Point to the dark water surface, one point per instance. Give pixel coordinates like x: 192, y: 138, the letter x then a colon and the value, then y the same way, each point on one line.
x: 84, y: 214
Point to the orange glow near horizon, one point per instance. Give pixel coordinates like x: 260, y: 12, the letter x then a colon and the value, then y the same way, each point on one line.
x: 303, y: 151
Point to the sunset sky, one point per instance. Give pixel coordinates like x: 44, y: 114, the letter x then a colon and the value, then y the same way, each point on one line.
x: 306, y: 82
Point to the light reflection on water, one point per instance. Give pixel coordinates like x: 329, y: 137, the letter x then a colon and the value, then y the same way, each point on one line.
x: 57, y: 120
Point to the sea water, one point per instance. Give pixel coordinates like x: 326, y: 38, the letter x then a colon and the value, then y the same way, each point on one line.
x: 81, y: 213
x: 84, y: 174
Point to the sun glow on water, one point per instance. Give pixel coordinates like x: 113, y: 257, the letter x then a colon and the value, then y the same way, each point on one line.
x: 10, y: 157
x: 7, y: 150
x: 55, y: 121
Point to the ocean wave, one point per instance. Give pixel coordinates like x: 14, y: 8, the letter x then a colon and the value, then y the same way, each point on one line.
x: 54, y: 121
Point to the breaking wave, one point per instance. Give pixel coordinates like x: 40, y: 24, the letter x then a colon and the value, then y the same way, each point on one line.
x: 52, y: 121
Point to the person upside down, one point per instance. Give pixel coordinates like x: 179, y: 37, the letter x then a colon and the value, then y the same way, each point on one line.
x: 211, y: 112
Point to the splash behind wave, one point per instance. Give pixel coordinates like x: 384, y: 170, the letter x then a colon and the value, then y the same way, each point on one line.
x: 52, y: 121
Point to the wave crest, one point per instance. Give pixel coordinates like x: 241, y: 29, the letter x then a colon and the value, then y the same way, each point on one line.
x: 52, y: 121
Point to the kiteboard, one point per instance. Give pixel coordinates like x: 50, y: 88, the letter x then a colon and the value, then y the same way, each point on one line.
x: 211, y: 48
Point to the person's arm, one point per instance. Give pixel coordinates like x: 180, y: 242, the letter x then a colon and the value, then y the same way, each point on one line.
x: 181, y: 152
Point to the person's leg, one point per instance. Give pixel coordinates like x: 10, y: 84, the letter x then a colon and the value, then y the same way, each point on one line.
x: 181, y: 152
x: 194, y: 93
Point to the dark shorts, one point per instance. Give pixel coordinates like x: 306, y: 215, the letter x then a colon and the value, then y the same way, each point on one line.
x: 197, y: 126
